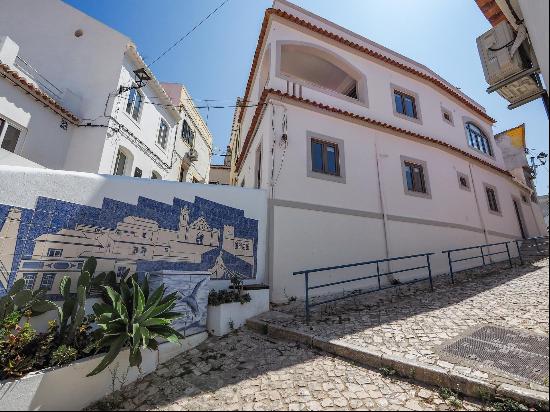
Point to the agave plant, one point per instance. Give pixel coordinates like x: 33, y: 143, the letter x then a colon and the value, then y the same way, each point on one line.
x: 133, y: 317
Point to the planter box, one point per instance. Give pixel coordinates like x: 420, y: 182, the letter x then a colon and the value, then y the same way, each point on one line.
x: 68, y: 388
x: 223, y: 318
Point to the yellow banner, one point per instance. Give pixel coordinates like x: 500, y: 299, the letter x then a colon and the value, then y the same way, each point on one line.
x: 517, y: 136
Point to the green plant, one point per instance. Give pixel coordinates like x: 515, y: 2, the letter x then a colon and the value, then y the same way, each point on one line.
x: 447, y: 393
x: 387, y: 372
x: 63, y: 355
x: 134, y: 318
x: 73, y: 322
x: 19, y: 299
x: 505, y: 404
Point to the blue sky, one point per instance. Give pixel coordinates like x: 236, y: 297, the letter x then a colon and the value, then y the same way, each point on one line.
x: 214, y: 61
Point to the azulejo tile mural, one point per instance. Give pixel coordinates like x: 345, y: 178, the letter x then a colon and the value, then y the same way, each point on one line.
x: 53, y: 240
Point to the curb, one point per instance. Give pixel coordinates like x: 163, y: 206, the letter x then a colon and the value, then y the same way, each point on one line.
x: 427, y: 374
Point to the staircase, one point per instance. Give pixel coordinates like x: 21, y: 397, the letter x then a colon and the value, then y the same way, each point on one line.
x: 534, y: 247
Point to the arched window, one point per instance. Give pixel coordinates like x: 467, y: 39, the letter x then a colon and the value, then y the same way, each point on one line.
x: 322, y: 68
x: 477, y: 139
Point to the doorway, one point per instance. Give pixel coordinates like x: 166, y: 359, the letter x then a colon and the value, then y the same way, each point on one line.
x: 520, y: 219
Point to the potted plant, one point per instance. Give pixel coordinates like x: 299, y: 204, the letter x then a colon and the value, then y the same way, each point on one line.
x: 87, y: 355
x: 228, y: 309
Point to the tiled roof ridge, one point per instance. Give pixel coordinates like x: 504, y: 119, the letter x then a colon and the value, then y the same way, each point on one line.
x: 31, y: 88
x: 372, y: 122
x: 356, y: 46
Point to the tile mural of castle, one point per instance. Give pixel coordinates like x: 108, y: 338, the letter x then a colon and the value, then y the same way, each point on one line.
x: 53, y: 240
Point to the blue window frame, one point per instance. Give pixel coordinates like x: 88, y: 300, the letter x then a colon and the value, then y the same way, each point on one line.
x: 29, y: 279
x: 477, y: 139
x: 47, y: 281
x: 55, y: 252
x: 405, y: 104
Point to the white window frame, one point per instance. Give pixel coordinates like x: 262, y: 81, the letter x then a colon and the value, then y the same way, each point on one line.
x: 21, y: 129
x: 167, y: 137
x: 131, y: 112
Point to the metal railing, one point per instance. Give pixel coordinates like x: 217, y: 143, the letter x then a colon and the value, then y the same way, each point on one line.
x: 483, y: 255
x: 378, y: 275
x: 47, y: 86
x: 540, y: 243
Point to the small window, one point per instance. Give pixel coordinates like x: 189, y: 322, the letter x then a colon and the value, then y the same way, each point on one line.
x: 447, y: 116
x: 405, y: 104
x: 138, y: 172
x: 134, y: 103
x: 325, y: 157
x: 162, y: 137
x: 120, y: 164
x: 187, y: 133
x: 492, y: 199
x: 47, y: 281
x: 414, y: 176
x: 9, y: 136
x: 55, y: 252
x: 477, y: 139
x: 463, y: 181
x: 258, y: 168
x: 29, y: 279
x: 155, y: 176
x: 524, y: 198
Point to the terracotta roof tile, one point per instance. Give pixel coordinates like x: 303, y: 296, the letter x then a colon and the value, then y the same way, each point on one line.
x: 38, y: 94
x: 438, y: 83
x: 370, y: 122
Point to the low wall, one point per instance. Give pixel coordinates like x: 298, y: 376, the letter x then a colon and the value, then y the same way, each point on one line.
x: 50, y: 221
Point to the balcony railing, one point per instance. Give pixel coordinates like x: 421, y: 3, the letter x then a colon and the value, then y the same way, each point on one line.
x: 44, y: 84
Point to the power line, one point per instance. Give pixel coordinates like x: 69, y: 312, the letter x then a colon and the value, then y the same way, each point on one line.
x: 188, y: 33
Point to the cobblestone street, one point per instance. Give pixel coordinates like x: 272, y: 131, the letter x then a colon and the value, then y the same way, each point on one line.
x: 412, y: 323
x: 251, y: 371
x: 248, y: 371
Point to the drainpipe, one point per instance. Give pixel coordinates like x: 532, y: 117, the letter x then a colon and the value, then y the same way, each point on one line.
x: 479, y: 208
x: 382, y: 203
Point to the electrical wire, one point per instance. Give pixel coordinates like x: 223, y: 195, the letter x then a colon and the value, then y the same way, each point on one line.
x: 188, y: 33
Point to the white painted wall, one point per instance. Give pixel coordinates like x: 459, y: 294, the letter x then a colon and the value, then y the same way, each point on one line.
x: 535, y: 14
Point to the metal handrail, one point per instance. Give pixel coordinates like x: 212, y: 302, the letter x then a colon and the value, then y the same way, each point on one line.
x: 482, y: 255
x: 378, y: 275
x: 537, y: 245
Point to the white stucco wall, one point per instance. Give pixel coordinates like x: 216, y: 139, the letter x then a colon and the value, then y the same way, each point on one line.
x: 535, y: 14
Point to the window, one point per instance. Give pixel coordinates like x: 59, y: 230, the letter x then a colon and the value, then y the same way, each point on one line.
x: 9, y: 136
x: 463, y: 181
x: 138, y: 172
x: 187, y: 133
x: 120, y: 163
x: 258, y: 167
x: 324, y: 157
x: 447, y: 116
x: 135, y: 101
x: 29, y: 279
x: 55, y: 252
x: 47, y: 281
x: 524, y: 198
x: 155, y: 175
x: 405, y: 104
x: 415, y: 177
x: 162, y: 138
x: 477, y: 139
x: 492, y: 199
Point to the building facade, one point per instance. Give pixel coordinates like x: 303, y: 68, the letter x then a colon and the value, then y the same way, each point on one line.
x: 365, y: 154
x: 109, y: 117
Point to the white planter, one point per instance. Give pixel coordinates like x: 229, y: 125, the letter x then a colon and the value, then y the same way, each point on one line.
x: 68, y: 388
x: 224, y: 318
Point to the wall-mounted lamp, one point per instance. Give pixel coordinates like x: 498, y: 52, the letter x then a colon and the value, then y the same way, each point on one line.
x: 141, y: 79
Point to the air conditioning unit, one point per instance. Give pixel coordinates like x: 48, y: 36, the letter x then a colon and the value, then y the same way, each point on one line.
x: 494, y: 50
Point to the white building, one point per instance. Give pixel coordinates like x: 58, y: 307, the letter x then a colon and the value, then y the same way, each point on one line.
x: 366, y: 154
x: 70, y: 99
